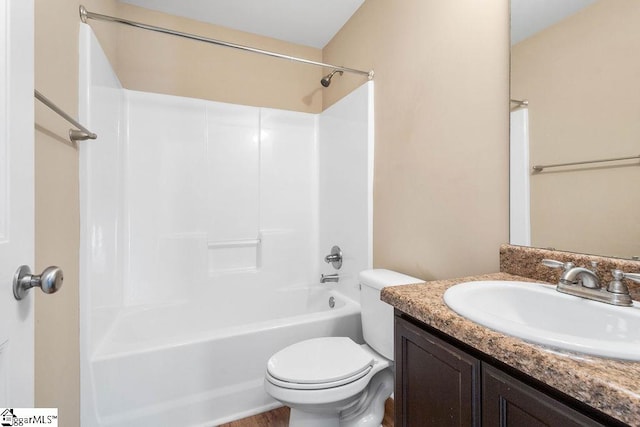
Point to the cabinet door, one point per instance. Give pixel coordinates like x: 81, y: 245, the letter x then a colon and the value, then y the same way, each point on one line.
x: 507, y: 402
x: 436, y: 384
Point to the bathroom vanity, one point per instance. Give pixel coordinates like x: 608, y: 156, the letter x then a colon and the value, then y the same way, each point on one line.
x: 440, y: 383
x: 452, y: 371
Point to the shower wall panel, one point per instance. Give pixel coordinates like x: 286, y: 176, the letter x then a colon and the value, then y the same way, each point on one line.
x: 183, y: 196
x: 216, y: 190
x: 101, y: 189
x: 288, y: 196
x: 233, y: 187
x: 165, y: 195
x: 101, y: 211
x: 346, y: 185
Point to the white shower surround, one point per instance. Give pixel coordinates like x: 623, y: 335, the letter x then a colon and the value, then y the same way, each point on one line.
x: 519, y: 171
x: 195, y: 249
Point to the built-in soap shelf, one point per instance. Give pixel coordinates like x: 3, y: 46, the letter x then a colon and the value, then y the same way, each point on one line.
x: 233, y: 255
x: 233, y: 243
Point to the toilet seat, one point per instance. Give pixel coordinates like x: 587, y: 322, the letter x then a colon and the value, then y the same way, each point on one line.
x: 316, y: 386
x: 319, y: 363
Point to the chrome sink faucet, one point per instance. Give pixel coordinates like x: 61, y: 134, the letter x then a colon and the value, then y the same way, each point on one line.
x: 573, y: 275
x: 581, y: 276
x: 583, y: 282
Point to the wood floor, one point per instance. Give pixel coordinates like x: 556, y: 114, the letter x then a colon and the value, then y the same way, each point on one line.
x: 280, y: 418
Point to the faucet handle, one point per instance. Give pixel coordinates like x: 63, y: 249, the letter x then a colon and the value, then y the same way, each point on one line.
x: 552, y: 263
x: 616, y: 286
x: 619, y: 275
x: 635, y: 277
x: 335, y: 257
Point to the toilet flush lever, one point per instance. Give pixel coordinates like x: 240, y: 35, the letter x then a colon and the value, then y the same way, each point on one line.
x: 49, y: 281
x: 335, y: 258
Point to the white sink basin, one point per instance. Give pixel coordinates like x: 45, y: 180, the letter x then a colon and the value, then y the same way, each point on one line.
x: 539, y: 314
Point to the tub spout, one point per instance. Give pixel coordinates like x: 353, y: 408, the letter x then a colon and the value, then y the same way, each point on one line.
x: 324, y: 278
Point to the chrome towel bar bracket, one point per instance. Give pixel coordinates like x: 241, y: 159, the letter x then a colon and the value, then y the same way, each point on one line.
x: 75, y: 135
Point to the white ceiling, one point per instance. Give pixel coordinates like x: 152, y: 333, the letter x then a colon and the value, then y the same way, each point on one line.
x: 530, y: 16
x: 315, y: 22
x: 306, y: 22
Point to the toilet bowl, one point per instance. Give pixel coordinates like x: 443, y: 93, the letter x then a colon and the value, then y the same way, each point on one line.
x: 334, y: 381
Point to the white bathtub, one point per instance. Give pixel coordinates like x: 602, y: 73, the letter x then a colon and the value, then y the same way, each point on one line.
x: 202, y: 365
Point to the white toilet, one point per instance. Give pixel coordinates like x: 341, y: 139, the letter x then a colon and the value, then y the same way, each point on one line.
x: 333, y: 381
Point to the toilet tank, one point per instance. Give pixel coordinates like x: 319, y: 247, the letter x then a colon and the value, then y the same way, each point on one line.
x: 377, y: 316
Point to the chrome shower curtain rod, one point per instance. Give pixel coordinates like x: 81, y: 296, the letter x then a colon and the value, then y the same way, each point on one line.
x: 85, y: 14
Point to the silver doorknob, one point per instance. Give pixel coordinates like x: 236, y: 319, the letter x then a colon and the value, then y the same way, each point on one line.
x: 49, y: 281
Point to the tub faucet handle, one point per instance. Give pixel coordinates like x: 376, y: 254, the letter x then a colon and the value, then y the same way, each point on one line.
x: 335, y: 257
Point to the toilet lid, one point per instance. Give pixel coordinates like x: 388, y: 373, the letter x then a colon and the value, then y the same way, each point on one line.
x: 319, y: 360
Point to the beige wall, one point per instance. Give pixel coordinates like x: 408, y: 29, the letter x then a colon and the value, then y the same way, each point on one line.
x: 156, y: 62
x: 57, y: 369
x: 580, y: 77
x: 441, y: 134
x: 441, y: 99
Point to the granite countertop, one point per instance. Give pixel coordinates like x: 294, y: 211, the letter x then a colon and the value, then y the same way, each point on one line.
x: 611, y: 386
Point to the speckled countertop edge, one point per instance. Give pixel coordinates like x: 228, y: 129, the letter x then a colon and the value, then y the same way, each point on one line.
x: 611, y: 386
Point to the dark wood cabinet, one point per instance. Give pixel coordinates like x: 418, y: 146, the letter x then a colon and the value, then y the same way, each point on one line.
x: 439, y: 383
x: 436, y: 384
x: 507, y: 402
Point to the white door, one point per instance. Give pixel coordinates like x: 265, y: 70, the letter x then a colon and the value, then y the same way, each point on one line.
x: 16, y: 199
